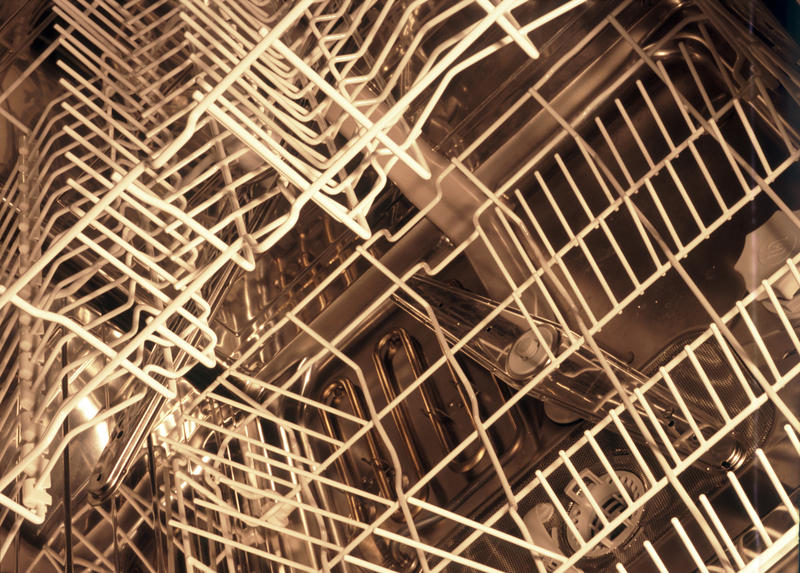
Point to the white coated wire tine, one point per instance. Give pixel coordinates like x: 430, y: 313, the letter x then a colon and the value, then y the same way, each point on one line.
x: 323, y: 480
x: 57, y: 450
x: 310, y: 191
x: 777, y: 120
x: 147, y: 197
x: 633, y: 448
x: 690, y: 354
x: 231, y: 543
x: 539, y: 284
x: 54, y: 560
x: 378, y: 426
x: 443, y: 555
x: 696, y: 77
x: 310, y: 154
x: 729, y: 154
x: 132, y: 18
x: 575, y: 291
x: 96, y: 12
x: 584, y: 489
x: 587, y: 156
x: 300, y: 398
x: 511, y: 27
x: 101, y: 113
x: 554, y: 205
x: 89, y: 337
x: 592, y: 263
x: 776, y: 483
x: 483, y: 528
x: 634, y: 132
x: 12, y: 534
x: 748, y: 507
x: 158, y: 22
x: 666, y: 219
x: 598, y: 272
x: 205, y: 215
x: 614, y: 151
x: 162, y: 111
x: 195, y: 115
x: 654, y: 112
x: 792, y: 265
x: 166, y: 56
x: 115, y: 145
x: 752, y: 136
x: 92, y: 31
x: 573, y: 186
x: 295, y: 427
x: 687, y: 118
x: 151, y: 90
x: 626, y: 200
x: 685, y: 196
x: 114, y: 238
x: 751, y: 327
x: 245, y: 491
x: 516, y: 292
x: 537, y: 227
x: 657, y: 425
x: 737, y: 104
x: 620, y: 255
x: 135, y: 253
x: 682, y: 404
x: 687, y: 542
x: 174, y: 169
x: 779, y: 310
x: 33, y: 66
x: 155, y: 54
x: 790, y: 433
x: 551, y: 15
x: 733, y: 362
x: 720, y: 527
x: 341, y: 64
x: 559, y: 506
x: 222, y: 67
x: 289, y: 533
x: 355, y: 113
x: 655, y: 557
x: 262, y: 144
x: 15, y: 121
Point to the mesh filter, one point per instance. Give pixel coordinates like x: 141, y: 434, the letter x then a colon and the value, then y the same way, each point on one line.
x: 752, y: 431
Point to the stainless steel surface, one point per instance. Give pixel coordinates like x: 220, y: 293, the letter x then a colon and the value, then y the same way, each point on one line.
x: 487, y: 379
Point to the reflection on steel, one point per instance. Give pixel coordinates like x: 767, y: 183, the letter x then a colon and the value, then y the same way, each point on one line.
x: 343, y: 388
x: 385, y: 358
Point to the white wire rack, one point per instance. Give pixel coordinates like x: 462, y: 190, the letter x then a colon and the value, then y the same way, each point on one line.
x: 191, y: 141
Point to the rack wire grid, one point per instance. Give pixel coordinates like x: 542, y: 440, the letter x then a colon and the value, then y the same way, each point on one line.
x: 191, y: 141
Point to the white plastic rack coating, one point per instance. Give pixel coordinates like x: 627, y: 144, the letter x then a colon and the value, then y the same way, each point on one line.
x: 135, y: 187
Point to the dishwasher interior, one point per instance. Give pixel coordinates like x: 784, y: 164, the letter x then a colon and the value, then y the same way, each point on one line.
x: 350, y: 286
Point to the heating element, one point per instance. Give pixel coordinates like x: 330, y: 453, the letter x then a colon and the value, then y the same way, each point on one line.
x: 450, y: 285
